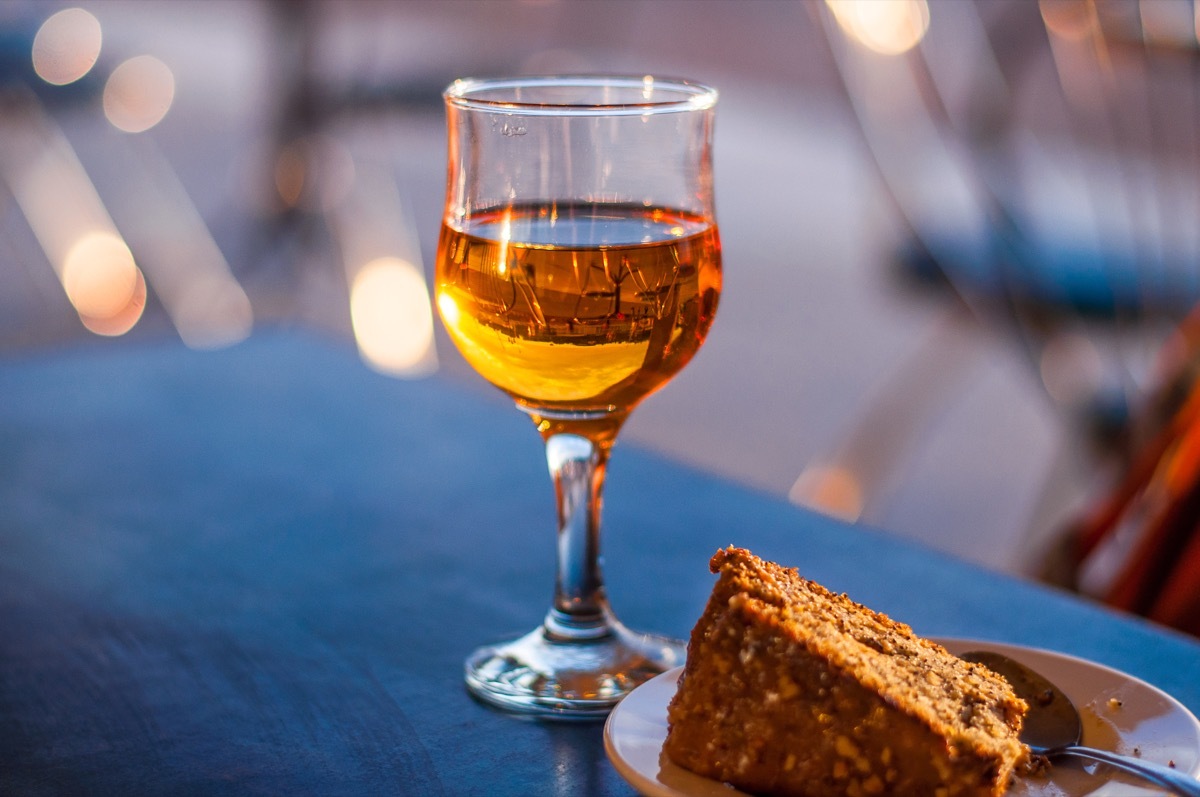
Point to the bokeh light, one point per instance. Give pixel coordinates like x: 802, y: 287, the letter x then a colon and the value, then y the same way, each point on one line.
x: 66, y: 46
x: 212, y: 310
x: 99, y: 274
x: 391, y: 316
x: 1072, y: 368
x: 448, y: 309
x: 103, y: 283
x: 124, y: 319
x: 888, y: 27
x: 291, y: 170
x: 138, y: 94
x: 830, y: 489
x: 314, y: 172
x: 1172, y: 24
x: 1073, y: 20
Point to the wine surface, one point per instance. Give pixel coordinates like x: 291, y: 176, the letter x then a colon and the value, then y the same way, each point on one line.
x: 575, y: 308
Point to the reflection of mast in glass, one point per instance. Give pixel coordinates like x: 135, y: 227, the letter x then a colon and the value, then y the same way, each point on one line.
x: 524, y: 281
x: 614, y: 277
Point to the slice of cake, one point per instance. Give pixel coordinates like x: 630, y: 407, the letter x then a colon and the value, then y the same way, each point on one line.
x: 790, y: 689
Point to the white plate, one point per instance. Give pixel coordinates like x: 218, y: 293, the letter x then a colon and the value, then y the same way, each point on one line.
x: 1147, y: 721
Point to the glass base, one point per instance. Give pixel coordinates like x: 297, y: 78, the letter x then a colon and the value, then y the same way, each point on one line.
x: 541, y: 676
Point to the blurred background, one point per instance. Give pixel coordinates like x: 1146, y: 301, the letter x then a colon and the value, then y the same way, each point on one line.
x: 960, y: 236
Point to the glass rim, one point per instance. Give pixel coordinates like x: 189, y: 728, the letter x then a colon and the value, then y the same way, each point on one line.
x: 678, y: 95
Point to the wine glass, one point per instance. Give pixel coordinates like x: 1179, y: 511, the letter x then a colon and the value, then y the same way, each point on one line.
x: 578, y: 270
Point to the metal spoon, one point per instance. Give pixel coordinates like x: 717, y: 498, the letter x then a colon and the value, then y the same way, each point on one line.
x: 1053, y: 728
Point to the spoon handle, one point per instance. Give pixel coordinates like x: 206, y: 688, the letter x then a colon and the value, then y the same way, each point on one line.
x: 1179, y: 783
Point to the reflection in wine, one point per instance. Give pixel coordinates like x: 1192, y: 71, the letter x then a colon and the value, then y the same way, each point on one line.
x: 586, y: 309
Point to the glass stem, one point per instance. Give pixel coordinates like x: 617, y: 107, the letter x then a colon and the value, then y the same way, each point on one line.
x: 577, y: 466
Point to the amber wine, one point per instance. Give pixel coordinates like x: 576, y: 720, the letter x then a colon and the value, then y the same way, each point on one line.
x: 586, y: 307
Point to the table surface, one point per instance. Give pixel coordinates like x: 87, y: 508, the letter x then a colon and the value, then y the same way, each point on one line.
x: 258, y: 570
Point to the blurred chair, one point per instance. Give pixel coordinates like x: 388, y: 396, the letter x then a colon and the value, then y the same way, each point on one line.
x: 1044, y: 158
x: 1138, y: 547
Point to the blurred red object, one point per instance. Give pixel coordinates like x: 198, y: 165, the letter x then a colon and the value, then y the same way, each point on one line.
x: 1148, y: 525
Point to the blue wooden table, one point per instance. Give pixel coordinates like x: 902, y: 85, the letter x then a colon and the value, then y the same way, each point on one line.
x: 258, y: 570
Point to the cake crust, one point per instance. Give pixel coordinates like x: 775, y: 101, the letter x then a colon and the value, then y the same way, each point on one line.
x: 790, y: 689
